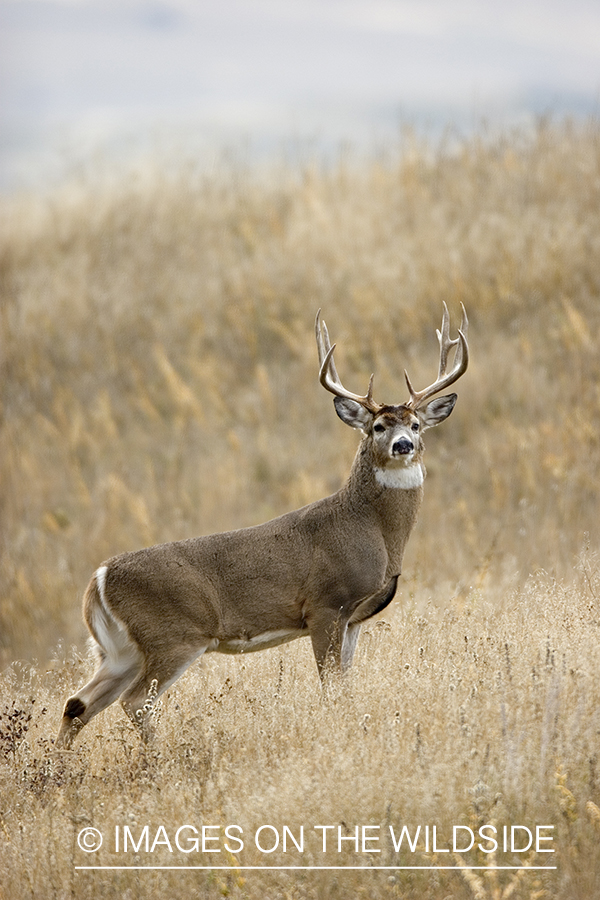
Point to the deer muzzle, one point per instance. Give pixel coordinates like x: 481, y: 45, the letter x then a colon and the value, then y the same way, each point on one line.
x: 402, y: 447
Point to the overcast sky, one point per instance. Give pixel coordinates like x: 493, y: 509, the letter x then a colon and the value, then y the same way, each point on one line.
x: 76, y: 75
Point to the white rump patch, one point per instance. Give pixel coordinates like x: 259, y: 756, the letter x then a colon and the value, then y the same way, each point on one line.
x: 404, y: 478
x: 120, y: 651
x: 101, y: 583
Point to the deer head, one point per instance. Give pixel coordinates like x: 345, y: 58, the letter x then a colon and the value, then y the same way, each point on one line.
x: 395, y: 430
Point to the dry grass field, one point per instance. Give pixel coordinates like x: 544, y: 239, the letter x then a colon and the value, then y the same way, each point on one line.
x: 158, y: 380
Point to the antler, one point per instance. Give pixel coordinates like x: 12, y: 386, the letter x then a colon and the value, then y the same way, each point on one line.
x: 328, y: 375
x: 461, y: 361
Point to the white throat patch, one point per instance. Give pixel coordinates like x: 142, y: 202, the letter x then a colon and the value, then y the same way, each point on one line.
x: 405, y: 478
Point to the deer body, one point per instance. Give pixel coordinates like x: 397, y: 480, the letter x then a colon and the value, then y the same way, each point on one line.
x: 207, y: 586
x: 319, y: 571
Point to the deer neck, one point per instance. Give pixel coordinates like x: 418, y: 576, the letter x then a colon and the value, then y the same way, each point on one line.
x: 391, y: 497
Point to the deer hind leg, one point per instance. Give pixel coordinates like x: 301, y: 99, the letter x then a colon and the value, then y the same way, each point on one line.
x: 156, y: 676
x: 110, y: 680
x: 119, y: 664
x: 120, y: 660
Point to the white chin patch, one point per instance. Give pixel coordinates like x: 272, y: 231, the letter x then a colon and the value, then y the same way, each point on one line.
x: 405, y: 478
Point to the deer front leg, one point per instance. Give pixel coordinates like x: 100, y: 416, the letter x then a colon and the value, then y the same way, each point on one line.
x: 349, y: 645
x: 327, y: 628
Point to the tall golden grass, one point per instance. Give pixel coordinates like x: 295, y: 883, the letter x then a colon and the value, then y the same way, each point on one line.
x: 159, y: 381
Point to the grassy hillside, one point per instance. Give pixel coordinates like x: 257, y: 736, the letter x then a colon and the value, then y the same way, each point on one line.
x: 159, y: 380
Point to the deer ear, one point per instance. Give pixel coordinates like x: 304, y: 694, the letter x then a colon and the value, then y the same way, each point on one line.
x: 437, y: 410
x: 352, y: 413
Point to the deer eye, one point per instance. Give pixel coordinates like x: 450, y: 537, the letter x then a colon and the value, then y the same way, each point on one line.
x: 378, y: 428
x: 415, y: 426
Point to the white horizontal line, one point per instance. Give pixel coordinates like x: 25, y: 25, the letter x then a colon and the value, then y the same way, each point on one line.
x: 329, y: 868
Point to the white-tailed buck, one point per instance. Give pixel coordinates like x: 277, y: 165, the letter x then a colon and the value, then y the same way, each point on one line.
x: 320, y: 571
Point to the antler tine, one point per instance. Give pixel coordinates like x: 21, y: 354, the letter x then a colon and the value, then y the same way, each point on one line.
x: 328, y: 375
x: 324, y: 345
x: 461, y: 360
x: 445, y: 342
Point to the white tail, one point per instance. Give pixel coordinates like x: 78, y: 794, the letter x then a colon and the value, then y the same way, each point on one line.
x: 320, y: 571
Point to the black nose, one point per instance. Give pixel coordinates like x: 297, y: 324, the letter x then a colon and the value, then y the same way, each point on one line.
x: 401, y: 446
